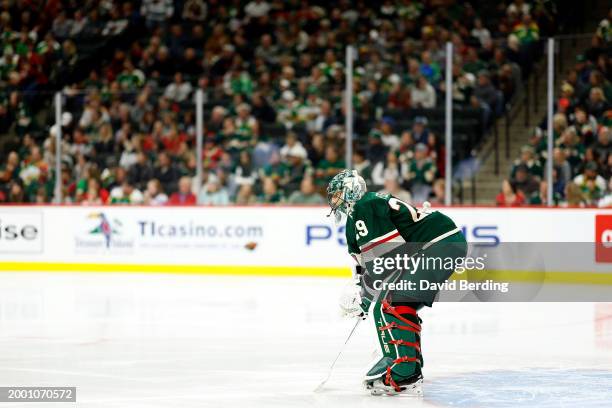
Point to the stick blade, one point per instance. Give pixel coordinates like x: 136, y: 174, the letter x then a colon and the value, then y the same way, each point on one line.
x: 321, y: 386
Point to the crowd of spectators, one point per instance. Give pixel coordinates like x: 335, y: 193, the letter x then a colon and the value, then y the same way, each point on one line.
x: 582, y: 133
x: 39, y: 44
x: 272, y: 78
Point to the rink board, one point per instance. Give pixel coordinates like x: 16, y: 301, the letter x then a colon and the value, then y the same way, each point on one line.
x: 258, y: 240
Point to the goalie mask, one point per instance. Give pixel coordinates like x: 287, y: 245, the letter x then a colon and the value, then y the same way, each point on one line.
x: 343, y: 191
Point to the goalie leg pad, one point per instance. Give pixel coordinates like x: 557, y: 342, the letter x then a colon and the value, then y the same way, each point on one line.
x: 399, y: 333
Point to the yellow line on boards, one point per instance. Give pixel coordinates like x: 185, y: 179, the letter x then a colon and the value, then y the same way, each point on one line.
x: 555, y: 277
x: 176, y: 269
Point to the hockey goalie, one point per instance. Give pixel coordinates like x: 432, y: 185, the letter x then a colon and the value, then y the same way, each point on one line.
x: 378, y: 226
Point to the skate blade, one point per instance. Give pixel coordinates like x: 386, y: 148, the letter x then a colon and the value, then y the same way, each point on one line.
x: 413, y: 390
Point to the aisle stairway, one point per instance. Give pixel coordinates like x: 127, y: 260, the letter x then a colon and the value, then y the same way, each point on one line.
x: 520, y: 124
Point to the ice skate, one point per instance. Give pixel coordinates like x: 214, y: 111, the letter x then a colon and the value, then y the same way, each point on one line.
x: 410, y: 388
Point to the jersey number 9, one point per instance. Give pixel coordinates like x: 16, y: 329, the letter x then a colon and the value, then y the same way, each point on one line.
x: 361, y: 228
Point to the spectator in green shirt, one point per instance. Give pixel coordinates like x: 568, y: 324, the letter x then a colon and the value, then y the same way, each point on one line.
x: 421, y: 173
x: 527, y: 30
x: 329, y: 166
x: 270, y: 194
x: 528, y: 159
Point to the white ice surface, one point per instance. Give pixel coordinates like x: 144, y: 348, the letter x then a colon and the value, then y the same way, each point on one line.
x: 204, y: 341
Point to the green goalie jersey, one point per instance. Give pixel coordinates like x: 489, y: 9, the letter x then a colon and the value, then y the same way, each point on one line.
x: 383, y: 219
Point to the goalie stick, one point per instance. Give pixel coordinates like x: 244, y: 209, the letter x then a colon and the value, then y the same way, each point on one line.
x: 331, y: 368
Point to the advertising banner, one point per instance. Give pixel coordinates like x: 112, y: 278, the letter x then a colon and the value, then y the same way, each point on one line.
x: 244, y: 240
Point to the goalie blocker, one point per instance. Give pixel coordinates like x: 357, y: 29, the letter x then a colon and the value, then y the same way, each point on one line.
x: 379, y: 225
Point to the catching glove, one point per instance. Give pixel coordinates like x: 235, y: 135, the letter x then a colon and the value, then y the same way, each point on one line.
x: 351, y: 304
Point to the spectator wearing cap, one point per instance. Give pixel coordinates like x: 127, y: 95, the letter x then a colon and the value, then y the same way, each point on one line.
x: 420, y: 132
x: 233, y: 63
x: 307, y: 193
x: 592, y: 185
x: 377, y: 151
x: 582, y: 72
x: 295, y: 157
x: 420, y: 173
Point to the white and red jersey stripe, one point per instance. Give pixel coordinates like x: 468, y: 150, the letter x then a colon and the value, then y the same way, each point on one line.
x: 391, y: 236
